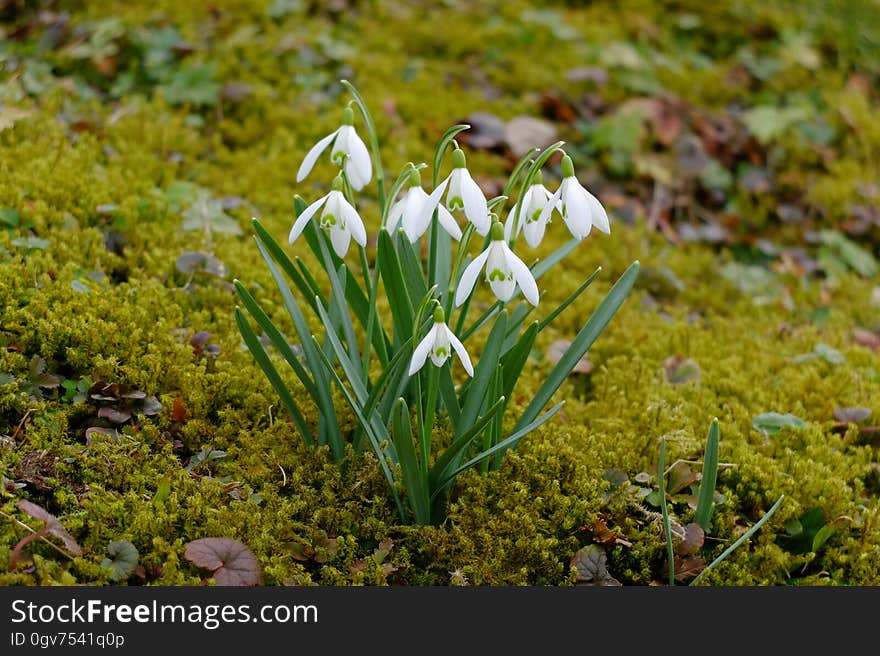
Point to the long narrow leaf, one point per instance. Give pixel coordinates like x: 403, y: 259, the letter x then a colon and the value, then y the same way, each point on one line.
x: 377, y: 434
x: 415, y: 484
x: 475, y: 392
x: 581, y: 343
x: 327, y: 425
x: 278, y: 340
x: 262, y: 358
x: 745, y: 536
x: 451, y: 453
x: 352, y: 370
x: 395, y: 286
x: 568, y: 301
x: 501, y: 446
x: 706, y: 501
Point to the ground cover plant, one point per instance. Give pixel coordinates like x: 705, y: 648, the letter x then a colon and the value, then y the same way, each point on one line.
x: 144, y: 147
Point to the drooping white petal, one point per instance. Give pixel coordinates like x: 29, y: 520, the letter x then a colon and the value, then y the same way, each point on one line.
x: 353, y: 222
x: 551, y: 204
x: 534, y: 232
x: 445, y: 219
x: 415, y: 220
x: 421, y: 353
x: 576, y: 212
x: 394, y: 215
x: 340, y: 238
x: 429, y: 204
x: 521, y: 273
x: 597, y: 212
x: 469, y: 277
x: 440, y: 352
x: 475, y: 207
x: 358, y: 167
x: 498, y: 272
x: 313, y: 154
x: 459, y: 348
x: 300, y: 224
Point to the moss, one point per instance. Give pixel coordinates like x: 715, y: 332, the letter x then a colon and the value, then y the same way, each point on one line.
x: 91, y: 178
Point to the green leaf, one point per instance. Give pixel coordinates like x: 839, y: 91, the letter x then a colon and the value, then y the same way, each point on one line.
x: 376, y: 432
x: 415, y: 484
x: 355, y: 376
x: 475, y: 392
x: 581, y: 343
x: 507, y: 443
x: 123, y: 558
x: 9, y: 217
x: 451, y: 453
x: 278, y: 340
x: 515, y: 359
x: 661, y: 478
x: 768, y: 122
x: 193, y: 84
x: 706, y: 500
x: 329, y: 425
x: 770, y: 423
x: 568, y: 301
x: 256, y: 348
x: 745, y: 536
x: 402, y: 312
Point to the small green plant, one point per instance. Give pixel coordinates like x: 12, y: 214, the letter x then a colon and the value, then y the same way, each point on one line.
x: 429, y: 290
x: 705, y: 504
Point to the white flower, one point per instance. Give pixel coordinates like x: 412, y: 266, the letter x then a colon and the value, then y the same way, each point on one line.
x: 414, y: 211
x: 348, y: 150
x: 465, y: 194
x: 581, y: 210
x: 533, y: 222
x: 339, y: 219
x: 437, y: 344
x: 504, y: 270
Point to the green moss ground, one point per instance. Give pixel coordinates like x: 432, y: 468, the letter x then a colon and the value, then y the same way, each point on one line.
x: 87, y: 164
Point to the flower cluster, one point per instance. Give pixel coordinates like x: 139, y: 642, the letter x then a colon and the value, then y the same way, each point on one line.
x: 424, y: 272
x: 504, y: 270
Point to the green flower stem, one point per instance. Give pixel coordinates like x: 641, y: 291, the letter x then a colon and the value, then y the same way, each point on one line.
x: 374, y: 140
x: 527, y: 182
x: 745, y: 536
x: 433, y: 383
x: 661, y: 481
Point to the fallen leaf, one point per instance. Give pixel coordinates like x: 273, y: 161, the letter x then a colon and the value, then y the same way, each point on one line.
x: 558, y: 348
x: 487, y: 131
x: 852, y: 415
x: 590, y: 564
x: 53, y: 526
x: 230, y: 562
x: 770, y: 423
x: 692, y: 540
x: 867, y: 338
x: 523, y: 133
x: 680, y: 369
x: 680, y: 476
x: 123, y: 558
x: 192, y: 262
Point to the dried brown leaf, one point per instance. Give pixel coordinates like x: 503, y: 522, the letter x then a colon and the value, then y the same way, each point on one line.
x: 680, y: 476
x: 853, y: 415
x: 53, y: 526
x: 230, y: 562
x: 558, y: 348
x: 692, y: 540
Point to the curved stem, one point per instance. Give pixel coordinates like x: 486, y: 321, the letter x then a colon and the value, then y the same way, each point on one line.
x: 374, y: 140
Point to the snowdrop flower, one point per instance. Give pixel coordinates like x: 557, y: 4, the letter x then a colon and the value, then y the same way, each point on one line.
x: 581, y: 210
x: 437, y: 344
x: 348, y: 150
x: 414, y: 211
x: 465, y: 194
x: 504, y: 270
x: 339, y: 219
x: 535, y: 199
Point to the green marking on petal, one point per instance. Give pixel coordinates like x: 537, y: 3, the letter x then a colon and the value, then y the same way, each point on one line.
x: 456, y: 203
x: 498, y: 274
x: 328, y: 220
